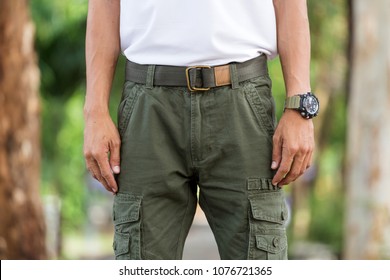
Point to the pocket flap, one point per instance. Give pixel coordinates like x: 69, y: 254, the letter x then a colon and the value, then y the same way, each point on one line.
x: 121, y: 243
x: 126, y: 208
x: 269, y: 206
x: 272, y: 242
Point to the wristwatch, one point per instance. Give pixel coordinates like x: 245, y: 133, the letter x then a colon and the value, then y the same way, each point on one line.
x: 306, y: 104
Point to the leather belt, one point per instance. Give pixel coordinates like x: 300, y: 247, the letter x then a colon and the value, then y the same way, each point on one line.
x: 197, y: 78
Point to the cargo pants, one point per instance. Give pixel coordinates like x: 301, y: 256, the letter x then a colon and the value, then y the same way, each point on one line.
x: 179, y: 147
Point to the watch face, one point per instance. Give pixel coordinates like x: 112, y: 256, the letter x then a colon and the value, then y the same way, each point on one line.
x: 310, y: 103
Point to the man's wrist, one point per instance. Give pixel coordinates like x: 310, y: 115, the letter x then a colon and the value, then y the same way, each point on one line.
x: 94, y: 111
x: 293, y: 112
x: 306, y: 104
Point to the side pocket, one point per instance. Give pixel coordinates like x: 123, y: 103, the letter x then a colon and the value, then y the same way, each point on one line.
x: 268, y: 215
x: 129, y: 98
x: 259, y: 96
x: 127, y: 223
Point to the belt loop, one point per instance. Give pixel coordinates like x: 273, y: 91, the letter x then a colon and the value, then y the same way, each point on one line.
x: 234, y: 76
x: 150, y: 76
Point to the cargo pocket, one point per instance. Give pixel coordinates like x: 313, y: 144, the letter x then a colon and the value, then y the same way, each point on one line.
x: 271, y: 244
x: 125, y: 109
x: 268, y: 216
x: 261, y: 101
x: 127, y: 222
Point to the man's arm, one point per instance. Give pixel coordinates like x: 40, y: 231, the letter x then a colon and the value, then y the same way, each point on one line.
x: 294, y: 135
x: 101, y: 138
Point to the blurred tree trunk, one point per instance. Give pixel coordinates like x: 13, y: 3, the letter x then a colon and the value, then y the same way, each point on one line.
x: 22, y: 229
x: 367, y: 234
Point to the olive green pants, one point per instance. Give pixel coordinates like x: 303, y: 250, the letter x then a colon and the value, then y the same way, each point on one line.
x: 175, y: 142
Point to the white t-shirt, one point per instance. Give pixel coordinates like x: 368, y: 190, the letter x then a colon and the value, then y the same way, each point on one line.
x: 197, y: 32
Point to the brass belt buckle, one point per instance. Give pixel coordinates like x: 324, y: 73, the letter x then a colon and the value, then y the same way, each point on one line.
x: 191, y: 88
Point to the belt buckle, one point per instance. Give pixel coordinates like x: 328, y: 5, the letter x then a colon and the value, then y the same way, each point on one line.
x: 191, y: 88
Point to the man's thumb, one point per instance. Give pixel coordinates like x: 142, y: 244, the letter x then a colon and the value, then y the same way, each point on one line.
x: 115, y: 159
x: 276, y: 155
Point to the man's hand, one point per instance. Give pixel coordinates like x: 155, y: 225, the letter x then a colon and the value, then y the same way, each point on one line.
x: 102, y: 149
x: 293, y: 147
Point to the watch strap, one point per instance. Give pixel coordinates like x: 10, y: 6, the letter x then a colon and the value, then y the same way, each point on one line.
x: 293, y: 102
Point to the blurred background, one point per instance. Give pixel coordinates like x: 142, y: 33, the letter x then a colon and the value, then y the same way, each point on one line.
x: 50, y: 208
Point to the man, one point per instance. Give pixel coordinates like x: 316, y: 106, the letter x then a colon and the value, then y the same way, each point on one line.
x: 197, y: 110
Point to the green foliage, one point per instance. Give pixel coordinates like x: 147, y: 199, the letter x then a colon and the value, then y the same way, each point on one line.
x: 70, y: 151
x: 329, y: 34
x: 327, y: 202
x: 63, y: 168
x: 60, y: 32
x: 328, y: 29
x: 60, y: 44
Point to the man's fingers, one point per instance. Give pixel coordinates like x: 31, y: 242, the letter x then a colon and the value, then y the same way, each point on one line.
x: 98, y: 165
x: 106, y: 172
x: 94, y: 169
x: 296, y: 170
x: 104, y: 183
x: 307, y: 162
x: 285, y: 166
x: 91, y: 164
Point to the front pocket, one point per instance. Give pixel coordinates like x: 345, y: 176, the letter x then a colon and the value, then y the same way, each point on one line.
x: 259, y: 97
x: 127, y: 223
x: 125, y: 109
x: 268, y: 216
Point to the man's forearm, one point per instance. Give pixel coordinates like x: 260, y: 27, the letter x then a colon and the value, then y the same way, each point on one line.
x: 294, y: 44
x: 102, y: 51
